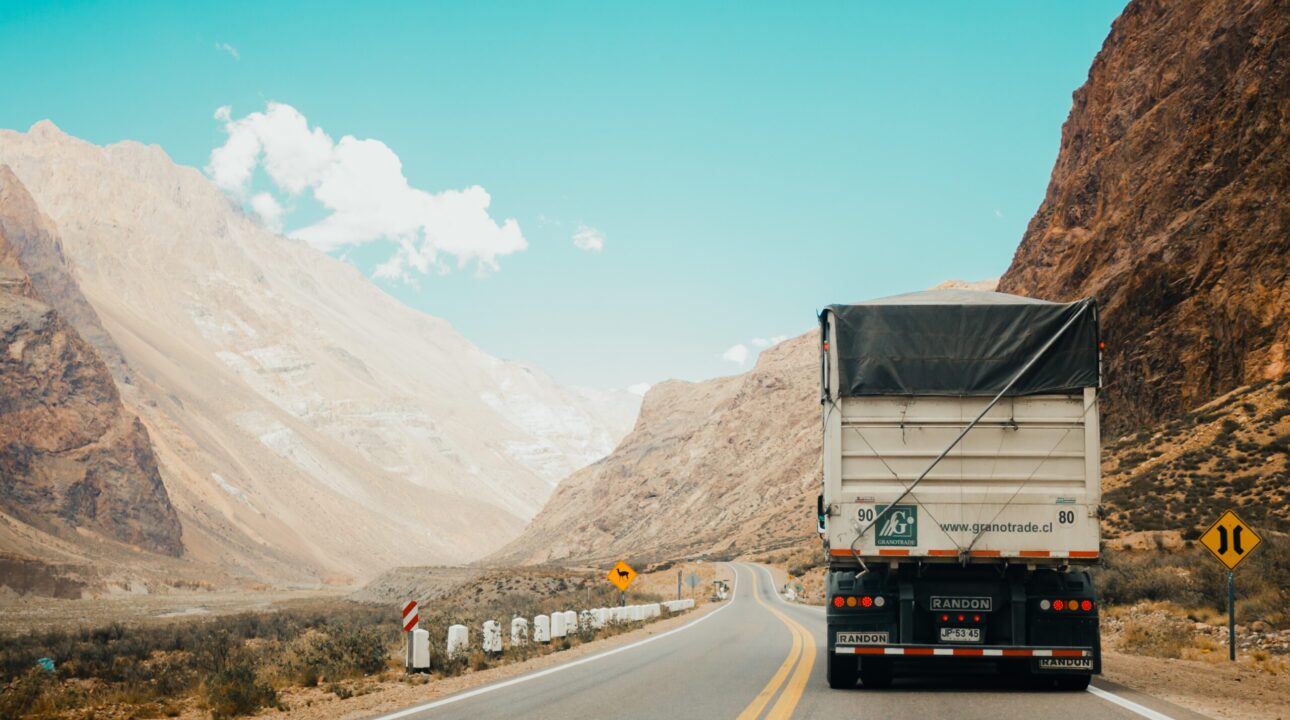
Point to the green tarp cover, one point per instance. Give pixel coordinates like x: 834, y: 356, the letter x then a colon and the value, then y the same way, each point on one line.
x: 962, y: 342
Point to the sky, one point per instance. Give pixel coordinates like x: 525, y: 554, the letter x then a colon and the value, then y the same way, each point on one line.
x: 615, y: 193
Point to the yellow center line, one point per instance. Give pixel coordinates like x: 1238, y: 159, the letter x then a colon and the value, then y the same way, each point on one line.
x: 802, y: 654
x: 759, y: 703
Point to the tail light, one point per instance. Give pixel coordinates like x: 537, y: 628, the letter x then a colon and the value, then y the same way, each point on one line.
x: 1068, y: 605
x: 865, y: 601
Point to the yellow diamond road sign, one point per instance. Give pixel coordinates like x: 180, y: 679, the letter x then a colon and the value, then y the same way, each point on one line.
x: 622, y: 575
x: 1230, y: 539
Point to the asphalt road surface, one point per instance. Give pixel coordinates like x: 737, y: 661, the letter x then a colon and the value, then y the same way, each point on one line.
x: 761, y: 657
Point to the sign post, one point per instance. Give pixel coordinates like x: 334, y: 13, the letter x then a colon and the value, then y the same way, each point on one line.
x: 622, y: 576
x: 678, y: 584
x: 1230, y: 540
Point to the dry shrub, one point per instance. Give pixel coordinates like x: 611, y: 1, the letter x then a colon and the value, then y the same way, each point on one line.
x: 1164, y: 637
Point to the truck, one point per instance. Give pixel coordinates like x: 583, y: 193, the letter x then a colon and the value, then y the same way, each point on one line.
x: 960, y: 509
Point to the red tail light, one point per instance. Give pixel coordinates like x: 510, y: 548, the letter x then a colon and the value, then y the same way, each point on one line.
x: 1059, y: 605
x: 976, y: 618
x: 838, y: 601
x: 945, y: 618
x: 866, y: 601
x: 960, y: 618
x: 1086, y: 605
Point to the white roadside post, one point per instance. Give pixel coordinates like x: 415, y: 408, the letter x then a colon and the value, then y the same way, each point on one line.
x: 519, y: 632
x: 571, y: 621
x: 458, y: 640
x: 559, y: 627
x: 492, y: 637
x: 541, y: 629
x: 419, y: 657
x: 587, y: 620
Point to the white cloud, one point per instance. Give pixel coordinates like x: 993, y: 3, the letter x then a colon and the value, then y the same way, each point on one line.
x: 362, y: 186
x: 737, y: 354
x: 268, y: 209
x: 225, y: 47
x: 589, y: 238
x: 639, y: 389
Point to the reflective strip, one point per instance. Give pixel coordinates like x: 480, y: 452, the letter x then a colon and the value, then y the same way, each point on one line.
x: 980, y: 553
x: 928, y: 651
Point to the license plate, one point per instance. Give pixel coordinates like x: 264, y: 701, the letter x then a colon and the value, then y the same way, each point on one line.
x: 862, y: 638
x: 960, y: 634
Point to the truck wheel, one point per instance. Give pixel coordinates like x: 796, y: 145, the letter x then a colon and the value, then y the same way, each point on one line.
x: 841, y: 671
x: 876, y: 674
x: 1073, y: 682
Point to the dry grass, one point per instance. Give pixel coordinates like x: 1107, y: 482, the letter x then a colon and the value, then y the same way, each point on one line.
x: 234, y: 665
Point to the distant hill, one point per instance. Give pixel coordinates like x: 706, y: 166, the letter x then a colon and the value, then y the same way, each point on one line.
x: 710, y: 468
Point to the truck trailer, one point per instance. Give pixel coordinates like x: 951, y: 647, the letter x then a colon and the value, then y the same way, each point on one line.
x: 961, y: 486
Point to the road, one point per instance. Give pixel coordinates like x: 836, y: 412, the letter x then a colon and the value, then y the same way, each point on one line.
x: 761, y: 657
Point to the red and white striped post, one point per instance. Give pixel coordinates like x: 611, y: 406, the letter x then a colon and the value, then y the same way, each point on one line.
x: 410, y: 616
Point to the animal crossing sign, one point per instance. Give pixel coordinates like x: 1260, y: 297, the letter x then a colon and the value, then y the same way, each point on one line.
x: 622, y: 575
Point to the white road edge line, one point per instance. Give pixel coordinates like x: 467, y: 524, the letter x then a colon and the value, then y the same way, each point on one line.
x: 558, y: 668
x: 1127, y: 704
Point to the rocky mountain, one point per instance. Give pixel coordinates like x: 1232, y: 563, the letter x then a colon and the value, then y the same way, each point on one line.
x: 305, y: 423
x: 1168, y: 203
x: 73, y: 461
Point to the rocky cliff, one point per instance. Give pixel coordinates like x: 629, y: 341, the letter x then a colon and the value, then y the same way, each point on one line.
x: 1168, y: 203
x: 73, y: 460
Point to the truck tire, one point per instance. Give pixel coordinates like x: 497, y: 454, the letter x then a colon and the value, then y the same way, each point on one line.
x: 1073, y: 683
x: 876, y: 674
x: 841, y: 671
